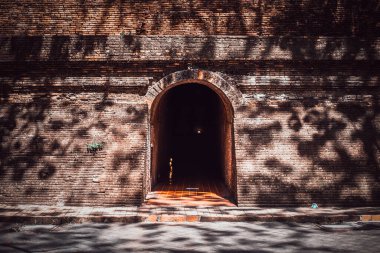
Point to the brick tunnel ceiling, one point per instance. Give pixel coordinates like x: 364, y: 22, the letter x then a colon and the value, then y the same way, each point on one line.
x: 190, y: 132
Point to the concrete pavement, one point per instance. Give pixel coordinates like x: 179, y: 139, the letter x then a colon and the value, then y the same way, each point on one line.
x: 263, y: 237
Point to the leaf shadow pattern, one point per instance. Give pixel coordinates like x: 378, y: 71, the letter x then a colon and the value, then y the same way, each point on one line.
x: 332, y: 157
x: 44, y: 140
x: 173, y: 237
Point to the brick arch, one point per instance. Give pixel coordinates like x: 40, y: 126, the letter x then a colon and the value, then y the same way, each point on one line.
x: 230, y: 95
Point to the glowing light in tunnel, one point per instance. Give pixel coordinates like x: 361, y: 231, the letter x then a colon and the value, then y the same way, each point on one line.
x: 198, y: 130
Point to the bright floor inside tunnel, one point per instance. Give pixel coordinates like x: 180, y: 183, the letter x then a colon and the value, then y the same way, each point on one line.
x: 192, y: 146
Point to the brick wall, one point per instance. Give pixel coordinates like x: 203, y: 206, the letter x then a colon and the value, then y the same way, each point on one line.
x: 77, y: 72
x: 322, y: 150
x: 45, y: 156
x: 195, y: 17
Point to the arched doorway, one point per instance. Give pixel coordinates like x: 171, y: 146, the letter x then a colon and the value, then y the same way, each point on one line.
x: 191, y: 126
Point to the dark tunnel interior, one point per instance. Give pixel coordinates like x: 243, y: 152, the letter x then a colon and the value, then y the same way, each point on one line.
x: 191, y: 129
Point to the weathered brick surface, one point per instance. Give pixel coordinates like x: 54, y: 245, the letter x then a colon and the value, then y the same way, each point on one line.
x: 298, y: 152
x: 173, y: 47
x: 306, y: 126
x: 44, y: 149
x: 196, y: 17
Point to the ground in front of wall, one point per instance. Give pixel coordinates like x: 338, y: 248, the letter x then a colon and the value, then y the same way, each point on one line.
x: 185, y: 237
x: 191, y: 193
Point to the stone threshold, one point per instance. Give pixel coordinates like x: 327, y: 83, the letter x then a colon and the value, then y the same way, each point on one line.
x: 39, y: 214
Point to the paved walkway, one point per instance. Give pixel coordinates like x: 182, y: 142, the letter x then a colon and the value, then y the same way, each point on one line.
x: 197, y: 237
x: 38, y: 214
x: 194, y: 193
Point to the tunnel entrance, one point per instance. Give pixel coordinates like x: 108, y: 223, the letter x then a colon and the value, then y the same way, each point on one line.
x: 190, y: 133
x: 191, y: 148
